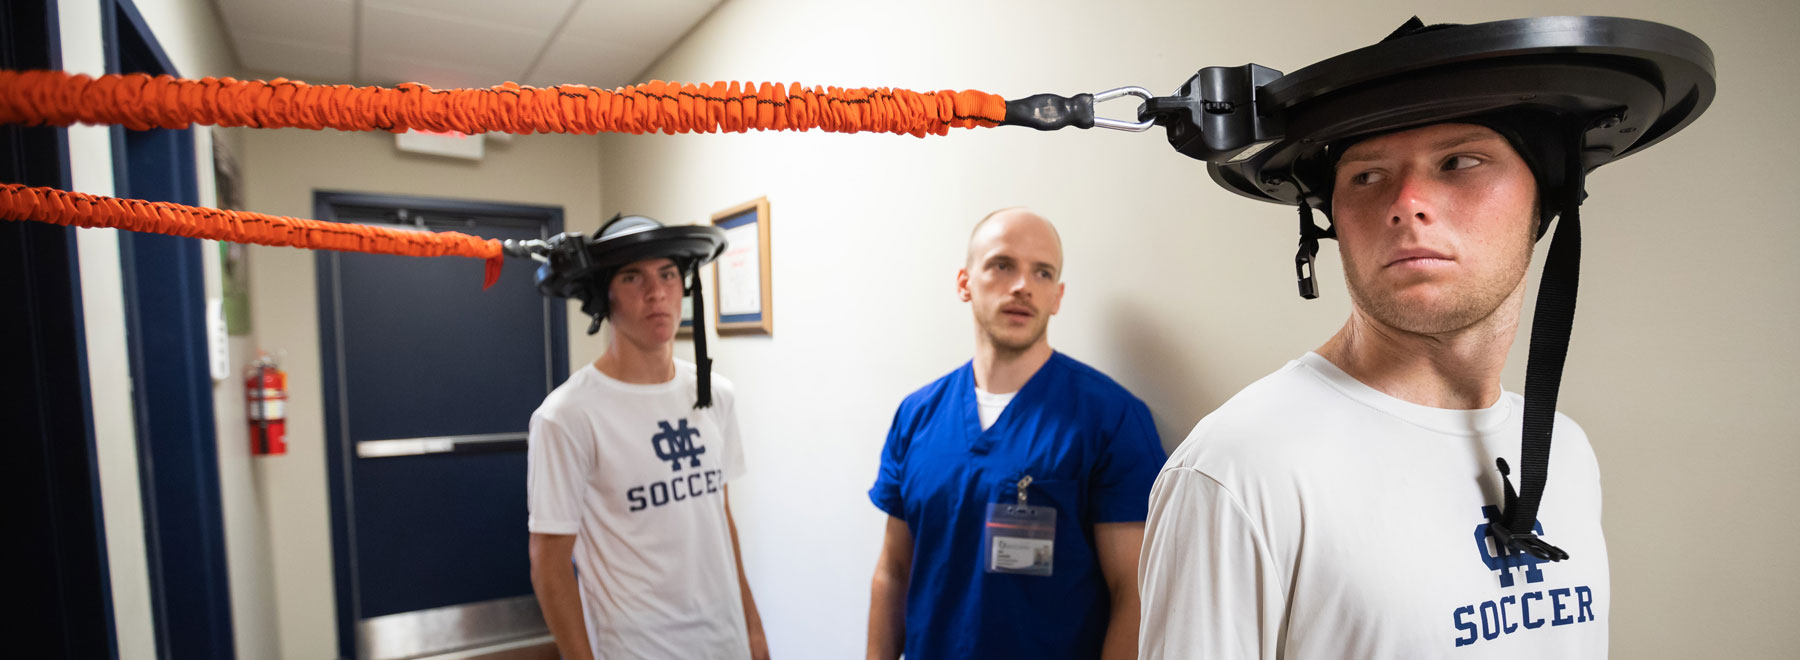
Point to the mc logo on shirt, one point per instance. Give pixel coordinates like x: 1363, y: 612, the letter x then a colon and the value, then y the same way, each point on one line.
x: 680, y: 444
x: 672, y: 444
x: 1501, y: 557
x: 1517, y: 612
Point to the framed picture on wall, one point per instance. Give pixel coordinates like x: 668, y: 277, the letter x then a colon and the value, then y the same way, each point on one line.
x: 686, y: 329
x: 741, y: 275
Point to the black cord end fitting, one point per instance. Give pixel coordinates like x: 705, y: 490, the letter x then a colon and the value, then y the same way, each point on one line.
x: 1048, y: 112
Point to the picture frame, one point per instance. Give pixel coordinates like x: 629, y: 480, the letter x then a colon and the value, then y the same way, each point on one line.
x: 743, y: 293
x: 686, y: 329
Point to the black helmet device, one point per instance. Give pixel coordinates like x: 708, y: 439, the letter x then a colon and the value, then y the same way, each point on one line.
x: 581, y: 267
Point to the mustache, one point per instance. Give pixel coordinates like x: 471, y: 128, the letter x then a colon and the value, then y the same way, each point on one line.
x: 1013, y: 304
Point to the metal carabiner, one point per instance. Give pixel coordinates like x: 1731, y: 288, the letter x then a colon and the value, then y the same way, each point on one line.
x: 537, y: 249
x: 1120, y: 124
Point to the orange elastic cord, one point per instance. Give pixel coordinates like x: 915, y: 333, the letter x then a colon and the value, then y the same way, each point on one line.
x: 59, y: 207
x: 140, y: 102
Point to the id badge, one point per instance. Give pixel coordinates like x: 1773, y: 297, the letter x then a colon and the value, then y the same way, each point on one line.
x: 1020, y: 538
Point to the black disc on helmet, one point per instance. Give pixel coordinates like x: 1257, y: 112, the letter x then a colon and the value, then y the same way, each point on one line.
x: 1622, y: 84
x: 582, y: 268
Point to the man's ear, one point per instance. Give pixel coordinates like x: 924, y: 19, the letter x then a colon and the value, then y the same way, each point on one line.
x: 962, y: 284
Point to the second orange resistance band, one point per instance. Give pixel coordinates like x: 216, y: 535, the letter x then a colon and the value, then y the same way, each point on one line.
x: 59, y: 207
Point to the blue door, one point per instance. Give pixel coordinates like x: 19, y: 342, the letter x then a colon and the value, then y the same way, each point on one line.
x: 430, y: 383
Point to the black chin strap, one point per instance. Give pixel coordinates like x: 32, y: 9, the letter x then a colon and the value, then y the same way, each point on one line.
x: 1550, y: 328
x: 1306, y: 259
x: 701, y: 361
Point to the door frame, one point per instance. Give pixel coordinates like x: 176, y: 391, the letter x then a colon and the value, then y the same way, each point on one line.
x: 52, y: 474
x: 338, y: 451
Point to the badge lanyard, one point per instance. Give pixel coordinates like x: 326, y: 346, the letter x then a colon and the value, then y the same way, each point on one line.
x: 1020, y: 538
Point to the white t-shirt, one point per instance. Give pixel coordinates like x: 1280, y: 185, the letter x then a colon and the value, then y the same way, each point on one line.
x: 1312, y: 516
x: 988, y: 406
x: 638, y: 474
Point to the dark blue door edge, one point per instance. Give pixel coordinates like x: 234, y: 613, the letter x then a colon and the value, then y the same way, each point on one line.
x: 163, y: 282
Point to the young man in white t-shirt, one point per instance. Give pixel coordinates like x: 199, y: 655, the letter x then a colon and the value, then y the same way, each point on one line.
x: 633, y: 550
x: 1327, y: 511
x: 1358, y: 503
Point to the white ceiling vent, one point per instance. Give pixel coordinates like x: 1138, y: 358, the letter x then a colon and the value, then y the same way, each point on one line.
x: 449, y: 145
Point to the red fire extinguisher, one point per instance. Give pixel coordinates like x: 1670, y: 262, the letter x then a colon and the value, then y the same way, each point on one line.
x: 266, y: 391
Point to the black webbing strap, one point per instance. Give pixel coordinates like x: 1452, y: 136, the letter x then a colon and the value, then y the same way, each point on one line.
x: 1550, y: 329
x: 702, y: 363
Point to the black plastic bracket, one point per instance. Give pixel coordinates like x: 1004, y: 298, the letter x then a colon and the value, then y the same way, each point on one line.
x: 1213, y: 116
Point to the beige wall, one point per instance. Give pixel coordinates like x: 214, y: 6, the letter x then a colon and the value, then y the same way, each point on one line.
x: 109, y: 376
x: 282, y: 169
x: 1680, y: 370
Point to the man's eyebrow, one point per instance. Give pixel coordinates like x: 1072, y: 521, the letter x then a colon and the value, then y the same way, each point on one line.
x: 1459, y: 140
x: 634, y: 268
x: 1451, y: 142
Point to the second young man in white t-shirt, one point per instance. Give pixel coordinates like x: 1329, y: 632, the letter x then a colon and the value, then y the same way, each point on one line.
x: 633, y: 550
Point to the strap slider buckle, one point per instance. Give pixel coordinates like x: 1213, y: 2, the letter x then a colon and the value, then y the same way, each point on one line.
x: 1526, y: 542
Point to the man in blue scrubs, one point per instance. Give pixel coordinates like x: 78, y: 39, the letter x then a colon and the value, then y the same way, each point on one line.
x: 1016, y: 486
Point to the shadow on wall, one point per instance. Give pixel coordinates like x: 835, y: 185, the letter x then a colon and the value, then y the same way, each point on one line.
x: 1161, y: 366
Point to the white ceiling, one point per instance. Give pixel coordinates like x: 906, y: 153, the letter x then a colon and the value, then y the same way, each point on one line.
x: 457, y: 43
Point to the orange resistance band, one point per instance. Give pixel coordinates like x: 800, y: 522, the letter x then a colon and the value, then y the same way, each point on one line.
x: 139, y: 102
x: 18, y: 202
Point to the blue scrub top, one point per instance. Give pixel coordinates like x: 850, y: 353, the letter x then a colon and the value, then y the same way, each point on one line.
x: 1091, y: 451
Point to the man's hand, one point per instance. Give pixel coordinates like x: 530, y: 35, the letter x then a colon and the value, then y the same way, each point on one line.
x: 1118, y: 545
x: 553, y: 578
x: 759, y: 643
x: 887, y: 593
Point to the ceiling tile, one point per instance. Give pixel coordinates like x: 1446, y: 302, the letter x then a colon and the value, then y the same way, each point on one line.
x: 389, y: 33
x: 391, y: 70
x: 324, y: 22
x: 534, y: 15
x: 291, y: 59
x: 458, y: 43
x: 655, y: 26
x: 599, y: 64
